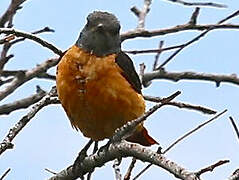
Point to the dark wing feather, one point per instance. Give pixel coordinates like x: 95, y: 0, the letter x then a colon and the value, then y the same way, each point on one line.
x: 126, y: 64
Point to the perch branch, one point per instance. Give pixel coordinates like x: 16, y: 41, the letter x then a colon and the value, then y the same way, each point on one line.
x: 124, y: 149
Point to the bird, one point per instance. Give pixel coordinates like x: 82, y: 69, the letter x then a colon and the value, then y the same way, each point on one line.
x: 97, y: 83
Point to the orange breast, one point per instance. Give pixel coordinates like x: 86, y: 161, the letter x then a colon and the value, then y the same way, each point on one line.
x: 94, y: 94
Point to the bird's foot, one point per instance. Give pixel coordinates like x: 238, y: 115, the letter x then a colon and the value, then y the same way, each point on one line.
x: 81, y: 156
x: 105, y: 147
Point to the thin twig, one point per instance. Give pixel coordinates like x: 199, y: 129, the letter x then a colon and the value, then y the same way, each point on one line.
x: 8, y: 44
x: 47, y: 100
x: 193, y: 19
x: 142, y: 171
x: 50, y: 171
x: 142, y: 68
x: 208, y: 4
x: 147, y: 34
x: 192, y: 131
x: 10, y: 38
x: 234, y: 126
x: 196, y: 39
x: 135, y: 10
x: 116, y: 164
x: 152, y: 50
x: 5, y: 173
x: 33, y: 37
x: 181, y: 105
x: 129, y: 171
x: 157, y: 55
x: 211, y: 167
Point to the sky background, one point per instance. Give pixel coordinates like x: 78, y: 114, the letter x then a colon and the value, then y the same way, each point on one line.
x: 49, y: 141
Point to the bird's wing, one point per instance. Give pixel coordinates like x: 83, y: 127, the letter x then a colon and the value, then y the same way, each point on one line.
x: 126, y: 64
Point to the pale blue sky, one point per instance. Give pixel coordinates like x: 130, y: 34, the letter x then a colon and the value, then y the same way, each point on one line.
x: 48, y: 141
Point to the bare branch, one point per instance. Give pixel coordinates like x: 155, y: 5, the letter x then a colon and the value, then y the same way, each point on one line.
x: 211, y: 167
x: 181, y: 105
x: 10, y: 42
x: 23, y: 77
x: 234, y: 126
x: 10, y: 12
x: 192, y: 131
x: 179, y: 28
x: 47, y: 100
x: 209, y: 4
x: 176, y: 76
x: 131, y: 167
x: 23, y: 103
x: 10, y: 38
x: 31, y: 37
x: 124, y: 149
x: 5, y: 174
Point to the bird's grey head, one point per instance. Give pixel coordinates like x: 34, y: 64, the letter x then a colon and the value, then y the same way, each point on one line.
x: 101, y: 34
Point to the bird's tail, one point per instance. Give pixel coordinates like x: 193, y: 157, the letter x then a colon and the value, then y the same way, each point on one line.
x: 142, y: 137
